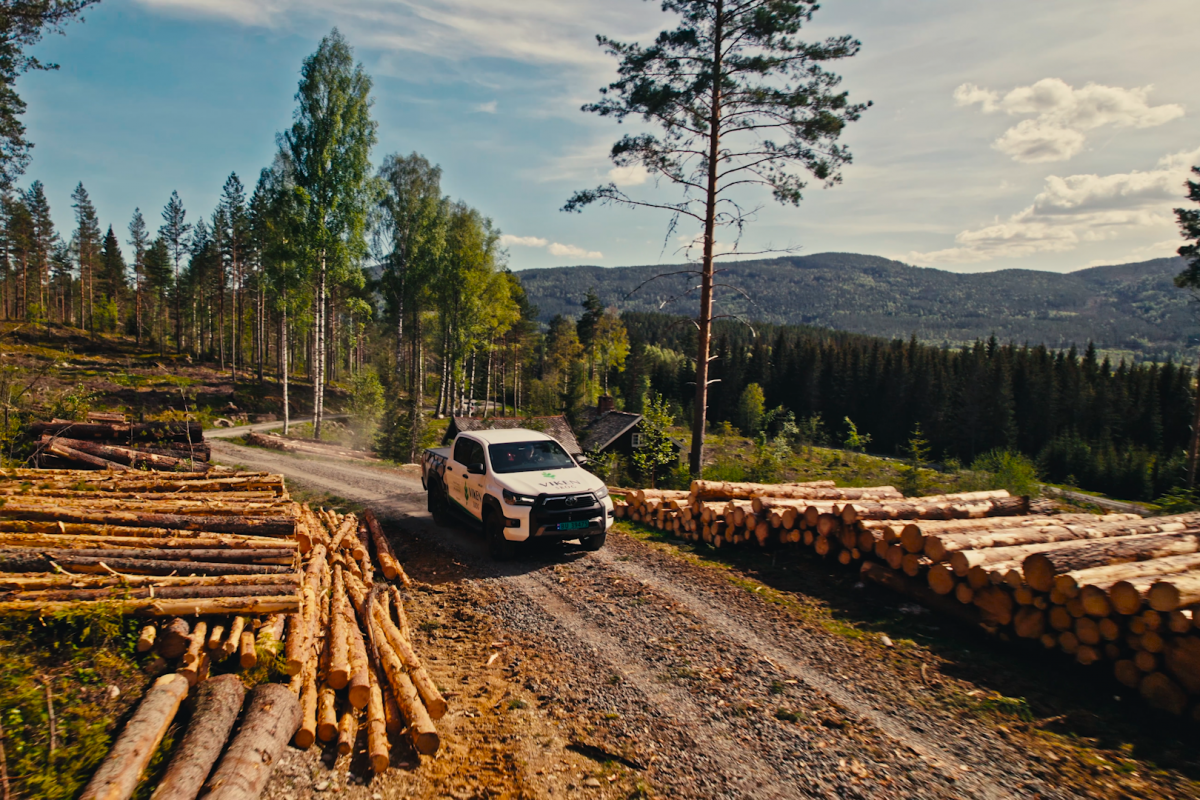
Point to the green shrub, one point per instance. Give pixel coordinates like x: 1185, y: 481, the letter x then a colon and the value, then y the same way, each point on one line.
x: 1008, y: 470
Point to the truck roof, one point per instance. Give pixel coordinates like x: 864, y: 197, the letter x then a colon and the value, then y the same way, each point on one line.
x: 507, y: 436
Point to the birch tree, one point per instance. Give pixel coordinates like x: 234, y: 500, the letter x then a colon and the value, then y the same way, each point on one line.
x: 329, y: 147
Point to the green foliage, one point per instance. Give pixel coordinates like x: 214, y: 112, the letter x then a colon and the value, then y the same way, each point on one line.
x: 74, y: 403
x: 854, y: 440
x: 366, y: 402
x: 1179, y: 500
x: 769, y: 458
x: 1189, y: 229
x: 917, y: 450
x: 657, y: 450
x: 607, y: 467
x: 1008, y: 470
x: 749, y: 418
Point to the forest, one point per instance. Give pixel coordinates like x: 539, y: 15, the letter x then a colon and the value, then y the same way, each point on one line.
x: 333, y: 272
x: 1116, y: 428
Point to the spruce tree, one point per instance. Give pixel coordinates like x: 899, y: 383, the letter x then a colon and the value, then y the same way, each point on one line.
x: 175, y: 232
x: 139, y: 239
x: 86, y: 245
x: 112, y: 279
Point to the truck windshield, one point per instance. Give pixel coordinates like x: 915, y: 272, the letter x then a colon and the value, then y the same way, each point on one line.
x: 528, y: 456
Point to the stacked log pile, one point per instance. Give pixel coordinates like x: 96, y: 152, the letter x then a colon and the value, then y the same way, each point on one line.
x: 231, y: 575
x: 1116, y: 589
x: 109, y: 441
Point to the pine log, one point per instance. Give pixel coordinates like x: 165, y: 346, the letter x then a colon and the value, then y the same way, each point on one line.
x: 216, y: 636
x: 377, y: 741
x: 306, y: 733
x: 938, y: 546
x: 327, y: 719
x: 280, y: 557
x: 272, y: 716
x: 1029, y: 622
x: 339, y: 637
x: 1181, y: 658
x: 139, y: 431
x: 347, y: 731
x: 256, y: 526
x: 146, y: 638
x: 162, y: 607
x: 1126, y: 583
x: 996, y: 604
x: 175, y: 637
x: 721, y: 490
x: 218, y: 704
x: 1039, y: 569
x: 421, y: 730
x: 282, y: 547
x: 122, y: 455
x: 917, y: 508
x: 897, y: 582
x: 1168, y: 594
x: 1163, y: 693
x: 122, y: 768
x: 360, y: 667
x: 148, y: 566
x: 80, y: 457
x: 59, y: 581
x: 383, y: 551
x: 233, y: 638
x: 1127, y: 673
x: 425, y: 686
x: 247, y: 653
x: 196, y: 642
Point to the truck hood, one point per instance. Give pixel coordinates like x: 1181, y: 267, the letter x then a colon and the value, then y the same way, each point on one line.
x: 551, y: 481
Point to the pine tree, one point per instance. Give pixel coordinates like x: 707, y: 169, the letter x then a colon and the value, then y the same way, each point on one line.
x: 139, y: 239
x: 86, y: 245
x: 176, y: 232
x: 112, y: 279
x: 42, y: 241
x: 740, y: 101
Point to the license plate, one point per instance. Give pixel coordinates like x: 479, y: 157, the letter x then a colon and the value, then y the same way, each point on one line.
x: 573, y: 526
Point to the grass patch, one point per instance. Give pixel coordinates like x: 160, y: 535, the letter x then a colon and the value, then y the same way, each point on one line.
x: 516, y: 704
x: 787, y: 715
x: 79, y: 656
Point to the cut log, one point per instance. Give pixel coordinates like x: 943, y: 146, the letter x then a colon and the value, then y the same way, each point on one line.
x: 131, y: 432
x: 218, y: 704
x: 1169, y: 594
x: 383, y: 551
x: 938, y: 545
x: 360, y: 666
x: 1039, y: 569
x: 122, y: 768
x: 117, y: 593
x: 421, y: 730
x: 306, y: 733
x: 255, y: 526
x: 247, y: 653
x: 1127, y: 673
x: 1163, y: 693
x: 425, y: 686
x: 338, y: 674
x: 280, y: 548
x: 272, y: 716
x: 121, y: 455
x: 377, y: 741
x: 216, y: 636
x: 176, y: 635
x: 146, y: 639
x: 163, y: 607
x: 78, y: 456
x: 1181, y: 657
x: 938, y: 509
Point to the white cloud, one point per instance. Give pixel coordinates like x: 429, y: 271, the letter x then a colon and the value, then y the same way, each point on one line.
x: 508, y: 240
x: 1163, y: 249
x: 487, y: 108
x: 554, y: 248
x: 1061, y: 114
x: 571, y: 251
x: 1075, y: 209
x: 633, y: 175
x: 530, y: 31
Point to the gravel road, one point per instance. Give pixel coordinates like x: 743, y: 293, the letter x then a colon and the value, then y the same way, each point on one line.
x: 642, y: 671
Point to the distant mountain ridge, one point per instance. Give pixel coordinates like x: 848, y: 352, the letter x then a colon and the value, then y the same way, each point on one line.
x: 1124, y: 307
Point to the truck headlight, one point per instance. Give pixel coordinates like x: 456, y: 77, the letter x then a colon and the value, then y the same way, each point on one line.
x: 603, y: 493
x: 514, y: 499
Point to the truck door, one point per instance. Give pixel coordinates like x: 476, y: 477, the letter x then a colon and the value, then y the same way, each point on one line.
x: 456, y: 473
x: 475, y: 483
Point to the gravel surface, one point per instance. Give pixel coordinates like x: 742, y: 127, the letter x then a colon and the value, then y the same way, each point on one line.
x: 641, y: 670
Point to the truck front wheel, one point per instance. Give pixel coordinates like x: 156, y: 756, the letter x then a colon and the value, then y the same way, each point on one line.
x: 499, y: 548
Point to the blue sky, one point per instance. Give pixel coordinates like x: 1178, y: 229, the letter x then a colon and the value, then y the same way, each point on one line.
x: 1018, y: 134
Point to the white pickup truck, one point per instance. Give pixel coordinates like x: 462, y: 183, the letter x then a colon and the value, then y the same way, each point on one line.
x: 521, y: 485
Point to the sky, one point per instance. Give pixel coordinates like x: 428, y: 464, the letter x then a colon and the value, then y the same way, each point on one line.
x: 1022, y: 134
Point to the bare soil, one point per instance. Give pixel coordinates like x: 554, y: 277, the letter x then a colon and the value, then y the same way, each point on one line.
x: 651, y: 669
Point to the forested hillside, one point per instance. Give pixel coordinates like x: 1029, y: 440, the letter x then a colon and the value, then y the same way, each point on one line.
x: 1130, y: 307
x: 1113, y: 427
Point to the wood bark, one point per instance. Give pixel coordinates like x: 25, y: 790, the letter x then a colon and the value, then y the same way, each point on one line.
x: 272, y: 716
x: 71, y: 454
x: 164, y: 607
x: 377, y: 741
x: 256, y: 526
x: 233, y: 639
x: 121, y: 455
x: 122, y: 768
x: 1040, y: 568
x: 1069, y: 584
x: 427, y: 689
x: 1169, y: 594
x: 282, y: 548
x: 218, y: 704
x: 338, y: 674
x: 421, y: 730
x: 135, y: 566
x: 936, y: 508
x: 724, y: 490
x: 36, y: 582
x: 383, y: 551
x: 174, y: 639
x: 939, y: 546
x: 164, y: 592
x: 133, y: 432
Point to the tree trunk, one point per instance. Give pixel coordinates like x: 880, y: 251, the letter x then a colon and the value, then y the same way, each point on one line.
x: 218, y: 704
x: 939, y: 546
x: 271, y: 719
x: 118, y: 775
x: 1194, y: 447
x: 319, y: 353
x: 284, y: 367
x: 700, y: 413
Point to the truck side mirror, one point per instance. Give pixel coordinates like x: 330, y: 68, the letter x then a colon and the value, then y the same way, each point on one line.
x: 476, y: 468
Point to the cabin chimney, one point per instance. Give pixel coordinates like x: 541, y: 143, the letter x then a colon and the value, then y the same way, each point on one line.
x: 606, y: 404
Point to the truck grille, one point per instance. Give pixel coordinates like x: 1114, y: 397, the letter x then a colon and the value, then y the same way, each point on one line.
x: 569, y: 502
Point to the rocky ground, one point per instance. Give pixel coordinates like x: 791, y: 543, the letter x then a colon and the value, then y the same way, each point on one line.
x: 647, y: 669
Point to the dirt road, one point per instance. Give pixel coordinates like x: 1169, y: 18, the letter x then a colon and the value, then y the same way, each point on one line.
x: 641, y: 670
